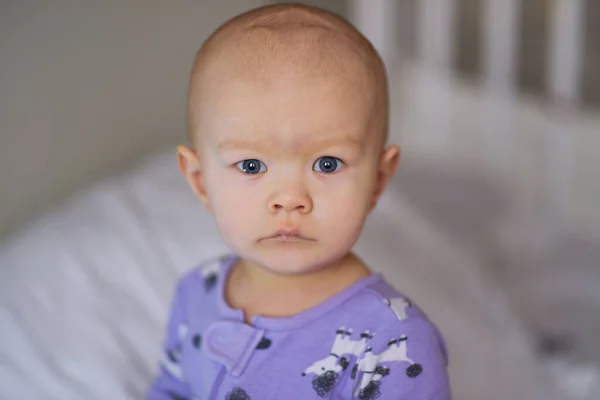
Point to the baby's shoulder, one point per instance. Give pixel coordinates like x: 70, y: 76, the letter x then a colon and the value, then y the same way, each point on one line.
x: 206, y: 274
x: 202, y: 280
x: 382, y: 313
x: 382, y: 305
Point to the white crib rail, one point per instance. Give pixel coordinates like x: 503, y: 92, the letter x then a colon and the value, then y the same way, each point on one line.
x: 375, y: 19
x: 564, y: 79
x: 434, y: 28
x: 434, y: 34
x: 434, y: 38
x: 499, y: 50
x: 565, y: 55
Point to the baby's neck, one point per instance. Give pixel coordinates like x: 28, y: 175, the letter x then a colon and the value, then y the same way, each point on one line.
x: 288, y: 295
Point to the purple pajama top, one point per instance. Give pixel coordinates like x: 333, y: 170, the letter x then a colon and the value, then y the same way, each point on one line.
x: 367, y: 342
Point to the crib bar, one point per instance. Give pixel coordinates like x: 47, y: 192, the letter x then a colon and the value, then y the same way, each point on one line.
x: 376, y: 20
x: 499, y: 27
x: 498, y: 51
x: 565, y: 52
x: 564, y: 75
x: 433, y: 83
x: 434, y: 33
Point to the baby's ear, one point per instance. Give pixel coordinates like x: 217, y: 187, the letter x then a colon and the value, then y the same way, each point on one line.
x: 189, y: 165
x: 388, y: 163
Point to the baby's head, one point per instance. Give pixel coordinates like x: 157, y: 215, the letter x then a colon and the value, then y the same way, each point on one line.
x: 288, y: 115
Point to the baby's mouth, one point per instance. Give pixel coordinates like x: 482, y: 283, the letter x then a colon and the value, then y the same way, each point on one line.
x: 287, y: 238
x: 287, y: 235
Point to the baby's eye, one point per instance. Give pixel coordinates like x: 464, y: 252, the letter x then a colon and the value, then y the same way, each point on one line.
x: 327, y: 165
x: 251, y: 166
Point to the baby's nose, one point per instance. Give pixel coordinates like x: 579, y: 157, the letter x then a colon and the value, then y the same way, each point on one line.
x: 290, y: 200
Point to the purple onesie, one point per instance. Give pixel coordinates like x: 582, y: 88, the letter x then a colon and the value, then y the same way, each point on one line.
x: 367, y: 342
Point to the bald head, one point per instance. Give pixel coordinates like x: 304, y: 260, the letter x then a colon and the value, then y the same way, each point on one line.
x: 289, y: 41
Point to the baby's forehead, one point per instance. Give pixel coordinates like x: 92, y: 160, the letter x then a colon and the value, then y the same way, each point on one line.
x: 291, y: 114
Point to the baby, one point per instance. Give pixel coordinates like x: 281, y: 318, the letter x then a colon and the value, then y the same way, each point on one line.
x: 288, y: 115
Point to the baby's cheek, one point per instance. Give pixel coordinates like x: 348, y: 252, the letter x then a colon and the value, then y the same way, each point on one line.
x: 348, y: 196
x: 232, y: 211
x: 226, y: 215
x: 342, y: 211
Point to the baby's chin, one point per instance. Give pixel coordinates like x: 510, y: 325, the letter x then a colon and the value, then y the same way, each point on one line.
x: 293, y: 260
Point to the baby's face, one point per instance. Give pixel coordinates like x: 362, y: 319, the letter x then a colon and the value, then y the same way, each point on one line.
x: 290, y: 169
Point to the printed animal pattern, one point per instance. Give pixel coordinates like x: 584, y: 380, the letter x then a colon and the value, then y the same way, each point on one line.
x: 326, y: 372
x: 371, y: 367
x: 237, y: 394
x: 172, y: 355
x: 210, y: 272
x: 399, y: 306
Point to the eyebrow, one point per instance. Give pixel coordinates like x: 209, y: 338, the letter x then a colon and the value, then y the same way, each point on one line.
x: 234, y: 144
x: 345, y: 141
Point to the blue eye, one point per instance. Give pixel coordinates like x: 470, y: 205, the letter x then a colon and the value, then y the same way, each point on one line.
x: 251, y: 166
x: 327, y: 165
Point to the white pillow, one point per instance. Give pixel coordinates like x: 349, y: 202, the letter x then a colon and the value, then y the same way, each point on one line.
x: 85, y: 291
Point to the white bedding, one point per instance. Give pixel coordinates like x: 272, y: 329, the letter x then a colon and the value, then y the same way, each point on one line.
x: 84, y: 292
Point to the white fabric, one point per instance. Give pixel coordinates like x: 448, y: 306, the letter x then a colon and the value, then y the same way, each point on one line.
x: 85, y: 290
